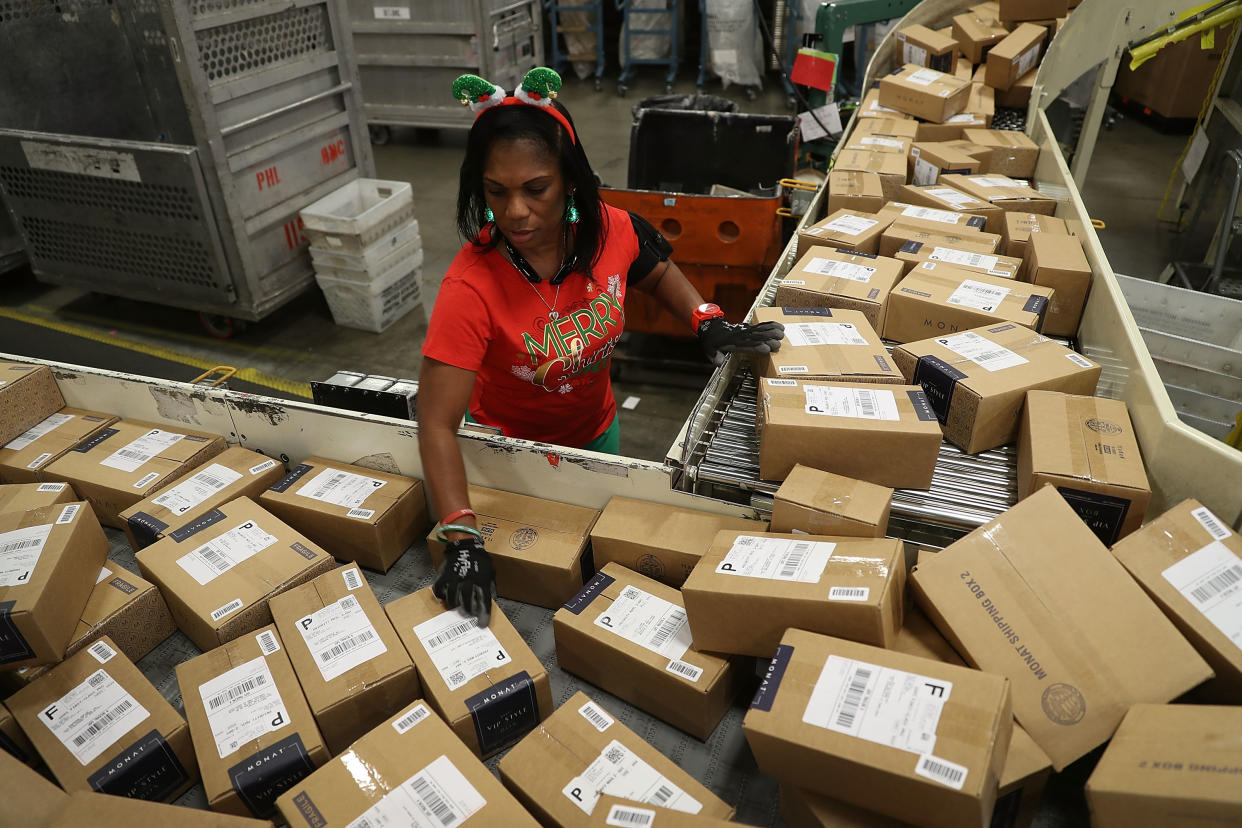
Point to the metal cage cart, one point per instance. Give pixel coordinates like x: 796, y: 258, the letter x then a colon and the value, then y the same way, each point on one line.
x: 707, y: 52
x: 583, y: 18
x: 180, y: 140
x: 409, y: 53
x: 632, y: 14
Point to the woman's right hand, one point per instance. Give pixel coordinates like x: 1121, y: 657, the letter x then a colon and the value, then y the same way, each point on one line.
x: 467, y: 578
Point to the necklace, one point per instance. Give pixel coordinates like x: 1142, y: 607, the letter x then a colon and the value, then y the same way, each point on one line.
x: 556, y: 298
x: 519, y: 263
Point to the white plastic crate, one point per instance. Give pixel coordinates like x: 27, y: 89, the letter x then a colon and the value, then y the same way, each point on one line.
x: 402, y: 260
x: 358, y: 214
x: 372, y: 255
x: 375, y: 306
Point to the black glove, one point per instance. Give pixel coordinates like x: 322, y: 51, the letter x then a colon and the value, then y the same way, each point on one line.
x: 720, y: 337
x: 467, y: 579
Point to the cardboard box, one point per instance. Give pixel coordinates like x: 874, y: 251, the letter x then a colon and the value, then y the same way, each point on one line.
x: 982, y: 102
x: 582, y: 752
x: 845, y: 230
x: 27, y: 798
x: 871, y: 142
x: 1087, y: 449
x: 355, y: 513
x: 123, y: 463
x: 822, y: 503
x: 23, y: 456
x: 22, y: 497
x: 884, y: 434
x: 977, y: 380
x: 930, y: 159
x: 937, y: 298
x: 1187, y: 560
x: 537, y: 546
x: 1059, y: 262
x: 1012, y: 153
x: 1018, y: 228
x: 612, y: 811
x: 897, y: 125
x: 415, y: 767
x: 941, y: 196
x: 101, y: 726
x: 102, y: 811
x: 1178, y: 79
x: 28, y: 396
x: 801, y: 808
x: 870, y: 107
x: 963, y: 69
x: 1014, y: 56
x: 924, y: 93
x: 350, y: 662
x: 976, y: 35
x: 921, y: 46
x: 909, y: 219
x: 917, y: 243
x: 934, y: 255
x: 749, y: 588
x: 890, y: 166
x: 1018, y: 96
x: 1009, y: 194
x: 218, y: 573
x: 1013, y: 11
x: 235, y: 472
x: 660, y: 541
x: 854, y: 191
x: 628, y: 635
x: 826, y: 277
x: 1054, y: 612
x: 484, y: 681
x: 52, y: 557
x: 833, y: 716
x: 827, y: 344
x: 13, y: 739
x: 1169, y: 765
x: 254, y: 734
x: 954, y: 125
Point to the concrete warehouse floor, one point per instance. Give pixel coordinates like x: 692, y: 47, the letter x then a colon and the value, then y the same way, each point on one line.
x: 300, y: 343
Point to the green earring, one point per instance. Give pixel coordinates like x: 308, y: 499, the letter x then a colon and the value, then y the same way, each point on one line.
x: 488, y: 215
x: 571, y: 210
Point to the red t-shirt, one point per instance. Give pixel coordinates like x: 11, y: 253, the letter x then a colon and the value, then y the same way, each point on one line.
x: 536, y: 379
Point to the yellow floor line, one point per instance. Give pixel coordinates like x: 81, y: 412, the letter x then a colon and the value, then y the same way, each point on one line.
x: 251, y: 375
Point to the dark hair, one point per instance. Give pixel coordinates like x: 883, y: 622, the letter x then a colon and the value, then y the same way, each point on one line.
x: 511, y: 123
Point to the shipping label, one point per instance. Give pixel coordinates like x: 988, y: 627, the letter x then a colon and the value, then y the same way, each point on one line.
x: 801, y: 334
x: 963, y: 257
x: 649, y: 621
x: 416, y: 714
x: 988, y: 181
x: 131, y: 457
x: 192, y: 491
x: 438, y: 796
x: 618, y: 772
x: 222, y: 553
x: 857, y: 403
x: 93, y: 716
x: 242, y: 705
x: 459, y: 648
x: 340, y: 488
x: 36, y: 431
x: 924, y: 77
x: 839, y: 269
x: 20, y: 551
x: 1214, y: 526
x: 340, y: 637
x: 925, y: 173
x: 913, y: 54
x: 776, y: 559
x: 932, y: 214
x: 1211, y: 580
x: 982, y: 351
x: 850, y: 225
x: 877, y: 141
x: 979, y: 295
x: 958, y: 199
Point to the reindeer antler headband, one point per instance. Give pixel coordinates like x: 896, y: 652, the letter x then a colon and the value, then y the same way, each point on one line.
x: 538, y: 89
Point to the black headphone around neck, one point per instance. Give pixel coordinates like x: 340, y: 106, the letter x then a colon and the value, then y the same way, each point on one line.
x: 523, y: 266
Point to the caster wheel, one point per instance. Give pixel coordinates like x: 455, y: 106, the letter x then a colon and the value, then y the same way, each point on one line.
x: 598, y: 84
x: 668, y: 89
x: 380, y: 135
x: 220, y: 327
x: 621, y: 90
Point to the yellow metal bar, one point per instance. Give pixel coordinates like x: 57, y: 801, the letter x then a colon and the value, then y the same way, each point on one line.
x: 1141, y: 54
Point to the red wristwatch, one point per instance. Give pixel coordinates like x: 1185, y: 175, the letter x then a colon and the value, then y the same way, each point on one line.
x: 704, y: 312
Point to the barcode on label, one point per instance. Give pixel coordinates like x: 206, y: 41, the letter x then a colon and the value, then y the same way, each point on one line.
x: 838, y: 593
x: 67, y: 514
x: 102, y: 722
x: 39, y: 461
x: 1211, y: 523
x: 455, y: 631
x: 345, y: 645
x: 231, y: 606
x: 794, y: 559
x: 102, y: 652
x: 866, y: 403
x: 1077, y: 360
x: 235, y: 692
x: 410, y: 719
x: 365, y: 514
x: 267, y: 642
x: 213, y: 558
x: 1217, y: 584
x: 128, y: 454
x: 262, y: 467
x: 783, y: 383
x: 853, y: 698
x: 662, y: 795
x: 941, y: 770
x: 684, y: 670
x: 51, y: 487
x: 673, y: 622
x: 146, y: 480
x: 353, y: 578
x: 623, y: 816
x: 600, y: 720
x: 21, y: 545
x: 433, y: 801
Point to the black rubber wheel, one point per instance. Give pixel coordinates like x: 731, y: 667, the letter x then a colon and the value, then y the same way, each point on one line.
x: 219, y: 327
x: 621, y: 90
x: 380, y: 134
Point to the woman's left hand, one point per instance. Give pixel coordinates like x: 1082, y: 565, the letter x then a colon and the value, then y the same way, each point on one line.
x: 720, y: 337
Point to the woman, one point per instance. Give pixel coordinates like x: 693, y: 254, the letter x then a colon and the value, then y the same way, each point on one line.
x: 531, y: 308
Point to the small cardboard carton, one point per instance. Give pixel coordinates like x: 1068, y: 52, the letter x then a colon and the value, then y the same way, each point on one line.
x: 921, y: 46
x: 1014, y: 11
x: 1018, y: 96
x: 933, y: 234
x: 1014, y: 56
x: 870, y: 107
x: 931, y: 256
x: 750, y: 588
x: 28, y: 396
x: 102, y: 811
x: 1059, y: 262
x: 660, y: 541
x: 347, y: 656
x: 101, y: 726
x: 1169, y: 765
x: 253, y: 732
x: 896, y: 126
x: 1012, y: 153
x: 581, y: 753
x: 355, y: 513
x: 854, y: 192
x: 977, y: 380
x: 611, y: 811
x: 1087, y: 449
x: 941, y: 196
x: 1034, y: 595
x: 13, y: 739
x: 955, y: 125
x: 908, y: 216
x: 628, y: 635
x: 484, y: 681
x: 890, y: 166
x: 928, y: 160
x: 963, y: 69
x: 937, y: 298
x: 538, y: 547
x: 982, y: 102
x: 416, y: 772
x: 827, y: 344
x: 817, y: 502
x: 50, y: 559
x: 911, y: 738
x: 1009, y: 194
x: 976, y: 35
x: 23, y: 456
x: 845, y: 230
x: 219, y: 573
x: 845, y: 279
x: 884, y: 434
x: 27, y: 797
x: 22, y: 497
x: 1018, y: 228
x: 235, y: 472
x: 870, y: 142
x: 924, y: 93
x: 1190, y: 563
x: 128, y: 460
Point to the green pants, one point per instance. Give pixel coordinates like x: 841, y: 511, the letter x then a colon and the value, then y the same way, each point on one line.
x: 608, y: 442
